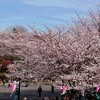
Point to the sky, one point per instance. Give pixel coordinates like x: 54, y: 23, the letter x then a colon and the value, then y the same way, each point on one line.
x: 43, y: 12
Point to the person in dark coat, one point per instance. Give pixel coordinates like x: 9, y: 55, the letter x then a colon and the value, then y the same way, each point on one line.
x: 81, y: 96
x: 39, y: 91
x: 52, y: 89
x: 57, y: 98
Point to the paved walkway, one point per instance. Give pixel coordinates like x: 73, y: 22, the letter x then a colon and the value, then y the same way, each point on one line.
x: 30, y: 92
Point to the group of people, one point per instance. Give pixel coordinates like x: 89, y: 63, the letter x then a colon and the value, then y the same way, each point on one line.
x: 14, y: 88
x: 88, y: 93
x: 91, y: 93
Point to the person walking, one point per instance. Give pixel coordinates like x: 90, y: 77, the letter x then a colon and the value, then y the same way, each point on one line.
x: 39, y: 91
x: 16, y: 94
x: 63, y: 91
x: 13, y: 88
x: 52, y: 88
x: 81, y: 97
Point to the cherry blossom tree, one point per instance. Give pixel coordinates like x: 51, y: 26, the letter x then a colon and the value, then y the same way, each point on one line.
x: 72, y: 51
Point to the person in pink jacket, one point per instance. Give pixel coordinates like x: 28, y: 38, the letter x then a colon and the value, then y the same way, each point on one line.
x: 97, y: 88
x: 13, y: 87
x: 64, y: 89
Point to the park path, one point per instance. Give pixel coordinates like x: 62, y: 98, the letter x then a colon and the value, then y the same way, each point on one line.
x: 30, y: 92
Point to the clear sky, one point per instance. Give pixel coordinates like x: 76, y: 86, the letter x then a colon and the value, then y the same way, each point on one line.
x: 40, y: 12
